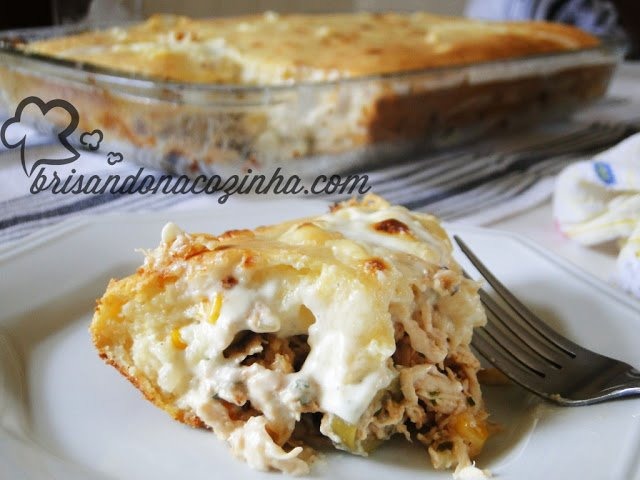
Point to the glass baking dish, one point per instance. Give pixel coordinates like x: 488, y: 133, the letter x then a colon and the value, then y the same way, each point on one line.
x: 307, y: 128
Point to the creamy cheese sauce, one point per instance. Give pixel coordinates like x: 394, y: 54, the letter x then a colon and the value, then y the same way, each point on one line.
x: 350, y: 341
x: 347, y: 364
x: 345, y: 369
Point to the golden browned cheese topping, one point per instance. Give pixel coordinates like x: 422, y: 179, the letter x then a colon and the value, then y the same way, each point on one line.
x: 271, y: 48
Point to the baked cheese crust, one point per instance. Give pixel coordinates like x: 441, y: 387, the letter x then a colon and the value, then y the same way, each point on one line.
x: 351, y: 326
x: 273, y: 49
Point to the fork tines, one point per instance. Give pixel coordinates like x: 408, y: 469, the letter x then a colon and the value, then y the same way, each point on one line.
x: 533, y: 355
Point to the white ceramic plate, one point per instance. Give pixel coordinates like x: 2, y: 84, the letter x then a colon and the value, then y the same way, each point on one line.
x: 64, y: 414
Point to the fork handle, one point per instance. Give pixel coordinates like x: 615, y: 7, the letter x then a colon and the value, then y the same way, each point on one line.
x: 626, y: 384
x: 632, y: 372
x: 632, y: 376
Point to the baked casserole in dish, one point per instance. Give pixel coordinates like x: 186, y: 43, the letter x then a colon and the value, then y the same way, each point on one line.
x: 314, y: 93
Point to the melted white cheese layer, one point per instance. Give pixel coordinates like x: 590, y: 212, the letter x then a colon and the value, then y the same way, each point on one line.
x: 351, y: 337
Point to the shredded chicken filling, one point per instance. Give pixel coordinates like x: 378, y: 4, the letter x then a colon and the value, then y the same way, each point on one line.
x: 435, y: 399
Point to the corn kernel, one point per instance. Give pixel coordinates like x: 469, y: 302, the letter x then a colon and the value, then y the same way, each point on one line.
x: 176, y: 339
x: 215, y: 309
x: 345, y: 431
x: 472, y: 430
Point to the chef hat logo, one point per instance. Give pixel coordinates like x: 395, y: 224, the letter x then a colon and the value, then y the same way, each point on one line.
x: 14, y: 135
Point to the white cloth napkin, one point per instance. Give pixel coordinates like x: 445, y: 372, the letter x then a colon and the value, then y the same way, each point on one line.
x: 598, y: 201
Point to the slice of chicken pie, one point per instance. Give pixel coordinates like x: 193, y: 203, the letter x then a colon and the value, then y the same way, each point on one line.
x: 354, y: 325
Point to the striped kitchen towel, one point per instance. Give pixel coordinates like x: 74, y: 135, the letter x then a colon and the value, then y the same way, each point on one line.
x: 24, y: 210
x: 477, y: 184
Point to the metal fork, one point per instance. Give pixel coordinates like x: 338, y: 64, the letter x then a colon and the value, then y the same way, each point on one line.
x: 533, y: 355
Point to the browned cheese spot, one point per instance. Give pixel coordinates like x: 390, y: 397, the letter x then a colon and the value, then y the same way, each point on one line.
x: 374, y: 265
x: 392, y: 227
x: 248, y: 260
x: 229, y: 282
